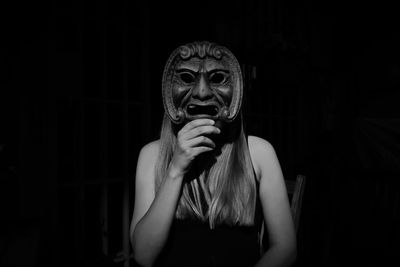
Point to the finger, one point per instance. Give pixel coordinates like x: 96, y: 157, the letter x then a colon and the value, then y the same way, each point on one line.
x: 201, y: 149
x: 197, y: 123
x: 201, y: 130
x: 200, y: 141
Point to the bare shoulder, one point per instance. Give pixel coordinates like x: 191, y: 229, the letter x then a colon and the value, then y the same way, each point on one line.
x: 144, y: 181
x: 260, y: 148
x: 259, y: 145
x: 262, y: 153
x: 150, y: 150
x: 147, y: 159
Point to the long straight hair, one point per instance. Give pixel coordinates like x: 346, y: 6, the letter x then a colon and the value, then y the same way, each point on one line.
x: 228, y: 186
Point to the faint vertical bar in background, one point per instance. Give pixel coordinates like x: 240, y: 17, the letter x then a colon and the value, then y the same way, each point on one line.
x: 125, y: 88
x: 104, y: 135
x: 125, y: 224
x: 104, y: 219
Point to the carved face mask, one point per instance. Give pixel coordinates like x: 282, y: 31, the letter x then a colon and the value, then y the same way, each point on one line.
x: 202, y: 80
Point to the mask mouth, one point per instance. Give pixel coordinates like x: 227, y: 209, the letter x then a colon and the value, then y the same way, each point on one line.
x: 197, y: 111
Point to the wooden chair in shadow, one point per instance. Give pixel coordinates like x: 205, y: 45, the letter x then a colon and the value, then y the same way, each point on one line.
x: 295, y: 190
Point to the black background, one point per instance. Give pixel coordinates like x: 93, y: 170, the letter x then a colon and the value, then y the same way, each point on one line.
x: 80, y: 95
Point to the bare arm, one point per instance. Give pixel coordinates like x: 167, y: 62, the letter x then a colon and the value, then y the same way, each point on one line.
x: 153, y: 213
x: 275, y: 205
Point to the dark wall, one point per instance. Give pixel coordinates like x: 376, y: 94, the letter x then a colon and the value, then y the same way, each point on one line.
x: 80, y: 95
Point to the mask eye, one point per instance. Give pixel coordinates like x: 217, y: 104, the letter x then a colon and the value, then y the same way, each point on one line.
x: 187, y: 77
x: 218, y: 78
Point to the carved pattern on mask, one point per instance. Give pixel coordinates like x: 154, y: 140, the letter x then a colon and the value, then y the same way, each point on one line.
x: 202, y: 77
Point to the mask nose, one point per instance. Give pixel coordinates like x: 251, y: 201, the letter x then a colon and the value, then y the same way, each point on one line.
x: 202, y: 90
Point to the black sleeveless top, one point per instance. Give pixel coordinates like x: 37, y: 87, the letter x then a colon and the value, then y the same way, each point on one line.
x: 192, y: 243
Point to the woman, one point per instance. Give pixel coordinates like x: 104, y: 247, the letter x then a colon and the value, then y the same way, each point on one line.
x: 204, y: 189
